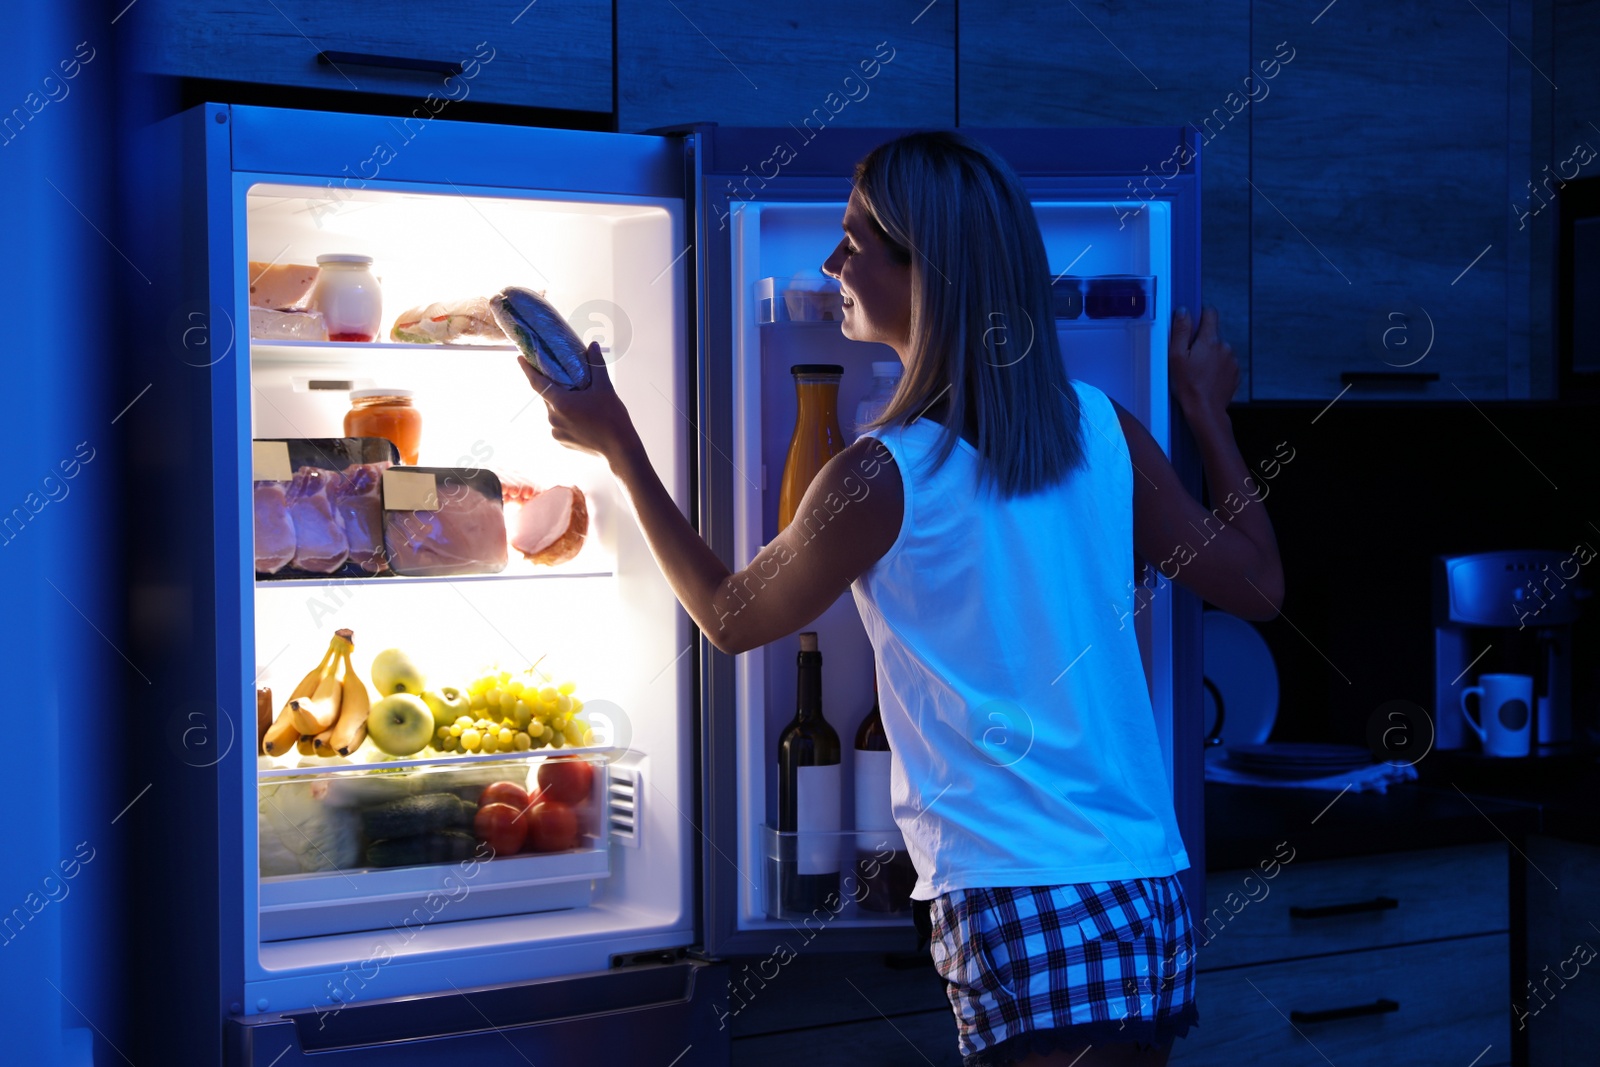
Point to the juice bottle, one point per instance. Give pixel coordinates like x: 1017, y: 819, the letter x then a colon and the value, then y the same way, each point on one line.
x: 816, y: 439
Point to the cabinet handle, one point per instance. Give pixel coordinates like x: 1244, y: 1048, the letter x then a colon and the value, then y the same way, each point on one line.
x: 1381, y: 1006
x: 1375, y: 904
x: 1382, y: 377
x: 367, y: 59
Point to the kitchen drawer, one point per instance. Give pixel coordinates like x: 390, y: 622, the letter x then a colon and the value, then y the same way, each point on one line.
x: 555, y: 53
x: 1452, y: 996
x: 1437, y: 893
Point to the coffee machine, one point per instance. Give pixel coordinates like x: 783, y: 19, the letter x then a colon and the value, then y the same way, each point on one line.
x: 1512, y: 613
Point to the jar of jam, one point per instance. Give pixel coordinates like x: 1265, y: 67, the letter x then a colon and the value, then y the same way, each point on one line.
x: 348, y: 296
x: 386, y: 413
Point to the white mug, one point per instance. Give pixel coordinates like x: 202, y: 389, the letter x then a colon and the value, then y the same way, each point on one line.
x: 1505, y: 704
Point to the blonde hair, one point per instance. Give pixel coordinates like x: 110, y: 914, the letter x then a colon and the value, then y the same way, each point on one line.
x: 983, y: 337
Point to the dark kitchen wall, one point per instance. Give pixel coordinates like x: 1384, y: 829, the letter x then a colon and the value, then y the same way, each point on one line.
x: 1373, y: 493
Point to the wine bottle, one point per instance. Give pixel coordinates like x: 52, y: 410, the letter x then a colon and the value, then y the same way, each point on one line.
x: 808, y: 796
x: 884, y: 874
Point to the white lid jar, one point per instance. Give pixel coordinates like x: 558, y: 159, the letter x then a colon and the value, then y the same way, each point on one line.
x: 348, y: 296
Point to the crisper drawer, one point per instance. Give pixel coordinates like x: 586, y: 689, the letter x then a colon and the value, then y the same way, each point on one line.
x: 1337, y: 905
x: 555, y: 54
x: 1442, y: 1003
x: 406, y: 843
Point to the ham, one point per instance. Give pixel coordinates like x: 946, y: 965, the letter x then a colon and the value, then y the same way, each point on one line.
x: 359, y: 504
x: 467, y: 535
x: 274, y: 531
x: 552, y: 526
x: 319, y: 540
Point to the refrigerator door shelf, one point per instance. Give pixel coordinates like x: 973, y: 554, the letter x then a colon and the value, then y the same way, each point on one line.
x: 339, y: 902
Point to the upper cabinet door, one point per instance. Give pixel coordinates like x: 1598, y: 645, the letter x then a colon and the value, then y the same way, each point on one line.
x: 808, y: 65
x: 1111, y: 64
x: 550, y: 54
x: 1386, y: 258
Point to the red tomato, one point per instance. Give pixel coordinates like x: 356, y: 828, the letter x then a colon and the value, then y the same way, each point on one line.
x: 552, y: 827
x: 501, y: 827
x: 504, y: 793
x: 567, y: 780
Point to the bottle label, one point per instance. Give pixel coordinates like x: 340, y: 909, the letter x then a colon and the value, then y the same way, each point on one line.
x: 817, y: 819
x: 874, y: 809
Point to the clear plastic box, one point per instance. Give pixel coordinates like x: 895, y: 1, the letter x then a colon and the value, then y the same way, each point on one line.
x: 875, y: 876
x: 798, y: 300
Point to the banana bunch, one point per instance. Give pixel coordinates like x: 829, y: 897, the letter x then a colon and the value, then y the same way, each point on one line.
x: 326, y: 715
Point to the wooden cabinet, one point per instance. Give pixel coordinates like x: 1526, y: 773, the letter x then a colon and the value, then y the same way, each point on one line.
x: 810, y: 65
x: 1381, y: 168
x: 1400, y: 958
x: 1559, y: 1004
x: 1105, y: 63
x: 551, y: 54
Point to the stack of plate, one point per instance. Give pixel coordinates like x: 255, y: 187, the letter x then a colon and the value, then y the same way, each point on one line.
x: 1288, y: 759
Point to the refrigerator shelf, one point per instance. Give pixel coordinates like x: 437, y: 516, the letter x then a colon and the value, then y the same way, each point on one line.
x: 437, y: 760
x: 511, y: 573
x: 274, y: 351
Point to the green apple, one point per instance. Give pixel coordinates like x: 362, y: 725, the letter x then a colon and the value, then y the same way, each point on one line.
x: 447, y: 704
x: 393, y: 672
x: 400, y: 725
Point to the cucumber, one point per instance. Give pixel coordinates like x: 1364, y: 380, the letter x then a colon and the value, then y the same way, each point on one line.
x: 441, y: 846
x: 410, y: 816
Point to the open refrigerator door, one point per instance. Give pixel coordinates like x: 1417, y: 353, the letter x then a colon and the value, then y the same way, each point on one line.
x: 1114, y: 285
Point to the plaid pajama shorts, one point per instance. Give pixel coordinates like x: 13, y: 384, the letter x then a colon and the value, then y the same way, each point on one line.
x: 1034, y: 969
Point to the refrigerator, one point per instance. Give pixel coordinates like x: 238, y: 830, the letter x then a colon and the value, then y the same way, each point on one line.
x: 682, y: 252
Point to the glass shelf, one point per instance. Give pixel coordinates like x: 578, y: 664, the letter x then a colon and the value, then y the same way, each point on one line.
x: 510, y: 574
x: 598, y: 753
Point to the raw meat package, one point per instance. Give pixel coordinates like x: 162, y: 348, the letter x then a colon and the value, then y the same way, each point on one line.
x: 464, y: 534
x: 326, y: 519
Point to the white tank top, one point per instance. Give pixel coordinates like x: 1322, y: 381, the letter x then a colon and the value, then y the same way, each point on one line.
x: 1009, y: 676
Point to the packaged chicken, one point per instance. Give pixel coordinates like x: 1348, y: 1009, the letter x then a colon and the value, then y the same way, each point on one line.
x: 458, y: 322
x: 443, y: 521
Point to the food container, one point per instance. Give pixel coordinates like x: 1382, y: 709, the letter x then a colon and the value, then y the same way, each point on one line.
x: 1066, y: 297
x: 348, y: 296
x: 318, y: 511
x: 1119, y: 296
x: 267, y: 324
x: 798, y: 299
x: 386, y: 413
x: 443, y: 521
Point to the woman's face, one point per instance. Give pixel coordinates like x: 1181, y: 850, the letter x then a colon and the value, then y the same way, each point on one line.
x: 876, y: 288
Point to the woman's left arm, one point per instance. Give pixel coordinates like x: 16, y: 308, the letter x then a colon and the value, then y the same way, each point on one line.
x: 849, y: 518
x: 1228, y: 554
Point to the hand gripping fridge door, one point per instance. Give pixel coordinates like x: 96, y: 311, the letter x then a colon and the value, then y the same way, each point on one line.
x: 474, y: 825
x: 1119, y: 210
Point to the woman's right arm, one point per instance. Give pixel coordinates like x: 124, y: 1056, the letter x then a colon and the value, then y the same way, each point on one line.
x: 1229, y: 554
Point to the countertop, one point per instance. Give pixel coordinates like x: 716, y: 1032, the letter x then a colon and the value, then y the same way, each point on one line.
x: 1458, y: 798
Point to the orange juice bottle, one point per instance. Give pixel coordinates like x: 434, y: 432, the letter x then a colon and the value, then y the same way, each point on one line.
x: 816, y: 432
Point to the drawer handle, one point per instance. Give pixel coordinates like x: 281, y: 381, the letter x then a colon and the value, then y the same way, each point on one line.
x: 1375, y: 904
x: 368, y: 59
x: 1381, y: 1006
x: 1381, y: 377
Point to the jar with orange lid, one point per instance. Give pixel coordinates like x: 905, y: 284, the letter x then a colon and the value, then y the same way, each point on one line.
x: 386, y: 413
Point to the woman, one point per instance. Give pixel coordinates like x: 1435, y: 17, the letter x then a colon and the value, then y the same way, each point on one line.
x: 988, y: 535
